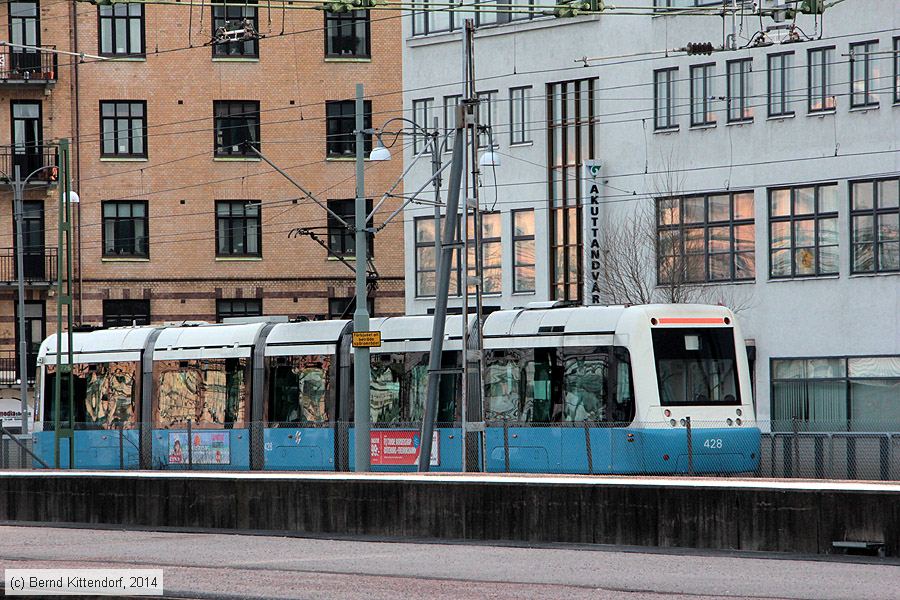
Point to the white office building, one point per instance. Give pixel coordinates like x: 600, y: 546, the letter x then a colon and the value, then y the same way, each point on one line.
x: 765, y: 177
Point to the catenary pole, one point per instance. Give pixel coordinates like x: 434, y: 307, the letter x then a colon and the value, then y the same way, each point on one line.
x: 361, y: 365
x: 18, y: 192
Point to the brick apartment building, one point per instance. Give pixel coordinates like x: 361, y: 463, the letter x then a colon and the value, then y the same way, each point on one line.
x: 177, y: 220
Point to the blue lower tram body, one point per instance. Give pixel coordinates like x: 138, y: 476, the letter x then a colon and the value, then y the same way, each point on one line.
x: 525, y: 450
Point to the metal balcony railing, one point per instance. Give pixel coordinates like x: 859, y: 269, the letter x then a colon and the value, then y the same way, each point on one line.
x: 9, y: 368
x: 20, y: 66
x: 40, y: 266
x: 30, y: 158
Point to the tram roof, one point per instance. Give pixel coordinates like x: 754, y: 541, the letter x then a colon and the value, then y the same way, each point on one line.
x: 208, y: 336
x: 101, y: 340
x: 419, y: 327
x: 307, y: 332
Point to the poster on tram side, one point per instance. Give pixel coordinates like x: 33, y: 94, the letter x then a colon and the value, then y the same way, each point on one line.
x: 207, y: 448
x: 401, y: 447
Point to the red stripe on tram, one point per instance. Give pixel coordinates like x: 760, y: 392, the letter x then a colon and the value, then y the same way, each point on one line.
x: 693, y: 321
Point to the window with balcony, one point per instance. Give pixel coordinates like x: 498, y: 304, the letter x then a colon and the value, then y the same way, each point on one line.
x: 803, y: 231
x: 523, y: 250
x: 237, y: 124
x: 231, y: 17
x: 342, y: 240
x: 819, y: 69
x: 125, y: 313
x: 347, y: 35
x: 237, y: 307
x: 738, y: 80
x: 123, y: 126
x: 122, y: 29
x: 863, y: 75
x: 875, y: 226
x: 520, y: 115
x: 125, y: 229
x: 238, y: 228
x: 779, y: 96
x: 701, y: 95
x: 340, y: 122
x: 664, y: 99
x: 705, y: 238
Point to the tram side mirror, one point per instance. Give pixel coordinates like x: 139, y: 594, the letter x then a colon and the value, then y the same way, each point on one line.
x: 692, y: 342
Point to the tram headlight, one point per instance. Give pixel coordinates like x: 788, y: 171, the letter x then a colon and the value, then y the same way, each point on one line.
x: 668, y: 413
x: 739, y: 412
x: 672, y: 423
x: 729, y: 421
x: 739, y: 422
x: 682, y: 422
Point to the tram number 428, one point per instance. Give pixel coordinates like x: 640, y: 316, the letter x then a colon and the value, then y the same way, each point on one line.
x: 714, y: 443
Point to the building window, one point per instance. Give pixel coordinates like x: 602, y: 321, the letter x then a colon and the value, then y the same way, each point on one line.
x: 236, y: 122
x: 343, y: 308
x: 863, y: 73
x: 122, y: 29
x: 523, y: 250
x: 124, y: 128
x: 450, y: 104
x: 705, y: 238
x: 422, y: 115
x: 803, y: 231
x: 571, y: 141
x: 664, y: 99
x: 426, y: 263
x: 347, y: 34
x: 428, y: 19
x: 237, y: 228
x: 821, y: 98
x: 836, y: 394
x: 780, y: 84
x: 125, y: 229
x: 739, y: 108
x: 486, y: 104
x: 342, y: 241
x: 237, y: 307
x: 701, y: 95
x: 519, y: 115
x: 491, y: 253
x: 897, y: 70
x: 340, y: 116
x: 875, y: 226
x: 231, y: 17
x: 126, y: 313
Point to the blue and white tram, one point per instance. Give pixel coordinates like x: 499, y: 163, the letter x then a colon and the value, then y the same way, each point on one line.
x: 618, y: 390
x: 573, y: 390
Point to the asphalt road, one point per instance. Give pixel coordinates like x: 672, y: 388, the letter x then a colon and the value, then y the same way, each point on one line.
x: 203, y: 565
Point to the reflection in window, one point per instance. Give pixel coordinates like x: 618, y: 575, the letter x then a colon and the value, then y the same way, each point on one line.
x: 821, y: 96
x: 863, y: 74
x: 875, y: 226
x: 491, y: 253
x: 803, y: 229
x: 523, y: 250
x: 739, y: 108
x: 696, y: 367
x: 426, y: 263
x: 105, y: 394
x: 211, y: 393
x: 586, y: 388
x: 399, y: 386
x: 301, y: 389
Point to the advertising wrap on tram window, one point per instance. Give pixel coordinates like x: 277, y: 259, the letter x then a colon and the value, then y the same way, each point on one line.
x: 401, y: 447
x: 207, y: 447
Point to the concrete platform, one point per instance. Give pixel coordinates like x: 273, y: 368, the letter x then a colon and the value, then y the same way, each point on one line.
x: 796, y: 516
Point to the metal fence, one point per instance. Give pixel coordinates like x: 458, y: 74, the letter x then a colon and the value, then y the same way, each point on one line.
x: 691, y: 448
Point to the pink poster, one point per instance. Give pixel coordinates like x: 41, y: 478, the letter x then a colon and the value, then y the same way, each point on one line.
x: 401, y: 447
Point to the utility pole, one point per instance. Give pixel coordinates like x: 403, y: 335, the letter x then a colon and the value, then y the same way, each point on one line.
x: 18, y: 192
x: 362, y: 368
x: 450, y: 241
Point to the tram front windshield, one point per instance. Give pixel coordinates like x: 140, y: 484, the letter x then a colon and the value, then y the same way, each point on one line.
x: 696, y: 366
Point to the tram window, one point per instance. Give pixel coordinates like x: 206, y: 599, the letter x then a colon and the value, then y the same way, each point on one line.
x: 503, y: 398
x: 542, y: 388
x: 696, y: 366
x: 386, y: 382
x: 78, y: 418
x: 211, y: 393
x: 300, y: 391
x: 622, y: 409
x: 104, y: 395
x: 585, y: 382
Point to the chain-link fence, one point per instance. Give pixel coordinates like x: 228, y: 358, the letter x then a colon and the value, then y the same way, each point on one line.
x: 849, y: 450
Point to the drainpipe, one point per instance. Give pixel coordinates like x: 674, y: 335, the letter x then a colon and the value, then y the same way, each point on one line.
x: 76, y: 138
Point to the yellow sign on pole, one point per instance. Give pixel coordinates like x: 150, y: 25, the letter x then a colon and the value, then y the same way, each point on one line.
x: 366, y: 339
